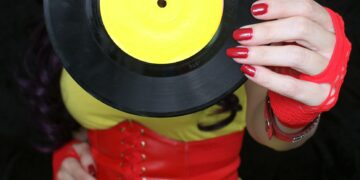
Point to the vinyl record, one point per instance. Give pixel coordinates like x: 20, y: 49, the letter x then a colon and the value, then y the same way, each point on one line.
x: 155, y: 58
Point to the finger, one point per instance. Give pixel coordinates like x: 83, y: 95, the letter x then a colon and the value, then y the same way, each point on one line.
x: 278, y: 9
x: 296, y: 57
x: 73, y: 167
x: 64, y: 176
x: 294, y: 29
x: 309, y: 93
x: 86, y: 159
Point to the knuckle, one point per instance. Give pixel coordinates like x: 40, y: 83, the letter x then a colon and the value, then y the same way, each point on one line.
x: 298, y: 56
x: 290, y: 88
x: 82, y: 148
x: 307, y: 7
x: 67, y: 164
x: 266, y: 80
x: 60, y: 175
x: 268, y: 32
x: 302, y: 25
x: 260, y: 53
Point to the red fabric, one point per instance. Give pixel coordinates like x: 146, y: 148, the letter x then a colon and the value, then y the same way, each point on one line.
x: 294, y: 114
x: 119, y: 154
x: 63, y: 153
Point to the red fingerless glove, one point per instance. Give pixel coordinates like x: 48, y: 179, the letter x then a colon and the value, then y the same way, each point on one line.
x: 294, y: 114
x: 63, y: 153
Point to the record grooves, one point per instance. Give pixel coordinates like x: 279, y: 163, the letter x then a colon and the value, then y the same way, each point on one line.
x: 157, y: 70
x: 117, y: 79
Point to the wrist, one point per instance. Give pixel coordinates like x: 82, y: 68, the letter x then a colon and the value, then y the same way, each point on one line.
x: 285, y: 128
x: 274, y: 128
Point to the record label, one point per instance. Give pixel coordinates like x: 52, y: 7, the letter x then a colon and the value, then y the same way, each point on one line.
x: 158, y: 34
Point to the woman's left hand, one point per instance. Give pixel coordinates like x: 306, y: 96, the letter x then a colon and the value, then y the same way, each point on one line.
x: 305, y: 32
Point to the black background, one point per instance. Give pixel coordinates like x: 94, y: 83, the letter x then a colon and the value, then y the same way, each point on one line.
x: 333, y: 153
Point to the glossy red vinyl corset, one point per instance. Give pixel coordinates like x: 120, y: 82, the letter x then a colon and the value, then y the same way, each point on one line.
x: 132, y: 151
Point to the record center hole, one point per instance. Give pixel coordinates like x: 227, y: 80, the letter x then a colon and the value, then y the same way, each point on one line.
x: 162, y: 3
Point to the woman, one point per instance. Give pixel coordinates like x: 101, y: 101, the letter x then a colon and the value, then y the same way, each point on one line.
x: 307, y: 65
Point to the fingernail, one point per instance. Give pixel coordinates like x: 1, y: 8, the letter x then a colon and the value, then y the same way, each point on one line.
x: 92, y: 170
x: 259, y: 9
x: 237, y: 52
x: 248, y: 70
x: 243, y: 34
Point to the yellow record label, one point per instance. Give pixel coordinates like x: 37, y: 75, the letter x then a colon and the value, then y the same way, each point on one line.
x: 159, y: 31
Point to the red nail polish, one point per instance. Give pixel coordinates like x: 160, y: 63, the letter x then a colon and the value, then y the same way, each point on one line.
x: 243, y: 34
x: 92, y: 170
x: 238, y: 52
x: 259, y: 9
x: 248, y: 70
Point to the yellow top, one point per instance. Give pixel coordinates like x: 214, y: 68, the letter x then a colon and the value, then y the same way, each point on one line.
x: 93, y: 114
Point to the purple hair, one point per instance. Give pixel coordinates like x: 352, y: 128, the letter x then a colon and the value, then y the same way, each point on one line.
x: 39, y: 80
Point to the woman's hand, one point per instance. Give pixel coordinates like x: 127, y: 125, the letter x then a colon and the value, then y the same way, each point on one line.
x: 73, y: 169
x: 302, y: 37
x: 293, y: 55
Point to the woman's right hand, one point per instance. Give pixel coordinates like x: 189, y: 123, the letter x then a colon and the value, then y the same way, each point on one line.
x: 73, y: 169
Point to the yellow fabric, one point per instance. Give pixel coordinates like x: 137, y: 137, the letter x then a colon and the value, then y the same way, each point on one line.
x: 161, y: 35
x: 93, y: 114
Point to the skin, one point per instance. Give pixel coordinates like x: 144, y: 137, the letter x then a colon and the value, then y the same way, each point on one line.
x: 314, y: 32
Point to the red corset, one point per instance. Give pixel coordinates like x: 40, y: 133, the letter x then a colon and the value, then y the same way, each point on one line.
x: 132, y: 151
